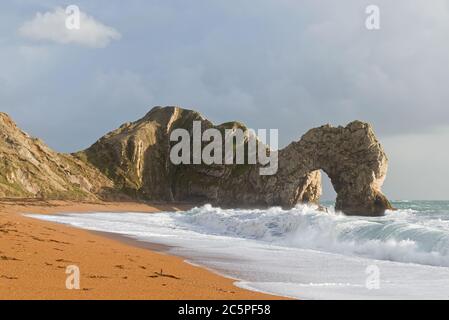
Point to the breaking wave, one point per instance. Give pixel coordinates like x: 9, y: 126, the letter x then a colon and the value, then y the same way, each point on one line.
x: 404, y: 236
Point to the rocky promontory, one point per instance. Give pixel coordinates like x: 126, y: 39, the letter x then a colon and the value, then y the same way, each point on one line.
x: 133, y: 162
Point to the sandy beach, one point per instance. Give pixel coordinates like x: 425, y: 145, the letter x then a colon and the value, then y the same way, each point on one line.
x: 34, y: 256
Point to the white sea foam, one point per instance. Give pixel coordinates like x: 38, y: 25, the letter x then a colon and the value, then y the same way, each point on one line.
x: 400, y: 236
x: 300, y: 252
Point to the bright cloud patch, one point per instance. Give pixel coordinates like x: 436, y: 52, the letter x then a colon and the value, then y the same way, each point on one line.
x: 51, y: 26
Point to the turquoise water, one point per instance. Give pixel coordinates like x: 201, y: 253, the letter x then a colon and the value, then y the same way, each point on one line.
x: 439, y: 208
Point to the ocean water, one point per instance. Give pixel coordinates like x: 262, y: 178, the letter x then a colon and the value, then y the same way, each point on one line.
x: 302, y: 252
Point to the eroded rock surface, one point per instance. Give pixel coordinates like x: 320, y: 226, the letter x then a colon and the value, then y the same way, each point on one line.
x: 30, y: 169
x: 351, y: 156
x: 136, y: 157
x: 133, y: 162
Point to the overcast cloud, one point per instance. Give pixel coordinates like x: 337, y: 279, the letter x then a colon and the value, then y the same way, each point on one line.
x: 287, y: 64
x: 51, y: 26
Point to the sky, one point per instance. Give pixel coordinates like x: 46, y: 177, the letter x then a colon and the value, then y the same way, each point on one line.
x: 286, y: 64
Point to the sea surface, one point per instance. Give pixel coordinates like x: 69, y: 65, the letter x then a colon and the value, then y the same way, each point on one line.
x: 302, y: 252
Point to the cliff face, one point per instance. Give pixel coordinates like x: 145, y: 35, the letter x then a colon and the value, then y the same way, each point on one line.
x: 137, y: 158
x: 136, y: 155
x: 133, y: 161
x: 28, y: 168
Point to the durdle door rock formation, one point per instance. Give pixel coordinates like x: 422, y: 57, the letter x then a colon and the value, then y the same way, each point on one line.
x: 133, y: 162
x: 351, y: 156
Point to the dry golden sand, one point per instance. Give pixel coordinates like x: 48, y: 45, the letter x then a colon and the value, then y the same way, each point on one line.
x: 34, y: 255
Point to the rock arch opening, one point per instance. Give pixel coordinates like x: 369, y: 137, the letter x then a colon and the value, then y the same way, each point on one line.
x: 328, y: 194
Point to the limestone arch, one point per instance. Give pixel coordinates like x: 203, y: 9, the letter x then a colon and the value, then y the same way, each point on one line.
x: 353, y: 159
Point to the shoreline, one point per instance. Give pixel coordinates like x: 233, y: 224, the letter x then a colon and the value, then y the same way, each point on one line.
x: 164, y: 249
x: 35, y: 253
